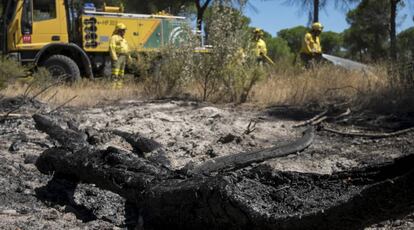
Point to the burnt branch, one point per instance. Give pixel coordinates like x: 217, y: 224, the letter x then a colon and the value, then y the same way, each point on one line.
x: 26, y: 99
x: 68, y: 138
x: 240, y: 160
x: 251, y: 127
x: 369, y: 135
x: 318, y: 119
x: 310, y: 121
x: 140, y: 143
x: 145, y: 147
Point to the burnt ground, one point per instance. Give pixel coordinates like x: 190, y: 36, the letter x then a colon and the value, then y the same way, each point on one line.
x: 191, y: 132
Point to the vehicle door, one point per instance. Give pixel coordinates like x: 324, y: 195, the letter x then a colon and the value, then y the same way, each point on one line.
x: 42, y: 22
x: 49, y: 22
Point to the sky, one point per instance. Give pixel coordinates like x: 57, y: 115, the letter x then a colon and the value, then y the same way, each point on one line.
x: 273, y: 16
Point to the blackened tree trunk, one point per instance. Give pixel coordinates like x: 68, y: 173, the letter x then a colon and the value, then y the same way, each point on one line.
x: 315, y: 10
x: 201, y: 9
x: 393, y: 33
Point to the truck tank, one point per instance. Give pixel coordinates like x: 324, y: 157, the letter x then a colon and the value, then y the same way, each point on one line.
x: 144, y: 33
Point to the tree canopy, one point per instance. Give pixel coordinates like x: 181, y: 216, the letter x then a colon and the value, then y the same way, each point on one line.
x: 293, y: 36
x: 368, y: 35
x: 332, y: 43
x: 406, y: 43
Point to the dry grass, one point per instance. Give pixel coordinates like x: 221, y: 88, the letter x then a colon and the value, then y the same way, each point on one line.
x: 87, y: 93
x: 283, y: 86
x: 324, y: 85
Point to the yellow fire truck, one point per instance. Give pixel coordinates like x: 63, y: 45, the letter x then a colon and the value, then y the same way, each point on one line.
x: 74, y: 41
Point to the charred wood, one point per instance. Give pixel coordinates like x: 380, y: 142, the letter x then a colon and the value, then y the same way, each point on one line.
x: 310, y: 121
x: 241, y: 160
x: 248, y: 198
x: 145, y: 147
x: 140, y: 143
x: 68, y: 138
x: 369, y: 135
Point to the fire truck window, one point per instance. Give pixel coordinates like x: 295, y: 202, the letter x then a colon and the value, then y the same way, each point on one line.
x: 44, y: 10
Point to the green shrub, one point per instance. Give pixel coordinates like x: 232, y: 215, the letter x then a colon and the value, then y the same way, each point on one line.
x: 226, y: 73
x: 169, y: 71
x: 143, y: 64
x: 230, y: 71
x: 42, y: 78
x: 9, y: 71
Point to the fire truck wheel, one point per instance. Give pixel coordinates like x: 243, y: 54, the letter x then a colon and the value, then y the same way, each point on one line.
x: 63, y: 67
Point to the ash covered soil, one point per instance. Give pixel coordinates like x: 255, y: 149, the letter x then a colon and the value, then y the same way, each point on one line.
x: 191, y: 133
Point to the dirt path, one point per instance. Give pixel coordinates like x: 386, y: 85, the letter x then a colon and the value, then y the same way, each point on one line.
x: 190, y: 132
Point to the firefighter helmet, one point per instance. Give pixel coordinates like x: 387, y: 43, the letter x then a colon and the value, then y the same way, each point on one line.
x: 258, y: 31
x: 317, y: 26
x: 120, y: 26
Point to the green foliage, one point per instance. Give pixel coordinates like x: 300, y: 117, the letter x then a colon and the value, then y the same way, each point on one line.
x: 331, y: 42
x: 168, y: 72
x: 278, y: 48
x: 230, y: 71
x: 42, y: 78
x: 235, y: 17
x: 294, y: 37
x: 367, y: 38
x: 143, y: 64
x: 405, y: 63
x: 226, y: 73
x: 9, y: 71
x: 406, y: 43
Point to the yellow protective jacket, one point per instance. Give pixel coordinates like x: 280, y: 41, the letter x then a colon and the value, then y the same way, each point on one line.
x: 117, y: 46
x: 311, y: 44
x: 260, y: 48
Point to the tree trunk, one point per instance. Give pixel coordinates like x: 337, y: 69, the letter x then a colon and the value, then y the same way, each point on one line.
x: 200, y: 14
x: 201, y: 8
x: 393, y: 33
x: 315, y: 10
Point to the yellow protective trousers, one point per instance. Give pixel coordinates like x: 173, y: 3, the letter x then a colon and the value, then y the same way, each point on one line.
x: 118, y: 66
x: 118, y: 71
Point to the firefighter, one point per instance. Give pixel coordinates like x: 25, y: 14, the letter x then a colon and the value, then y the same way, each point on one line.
x: 259, y: 46
x: 311, y: 51
x: 119, y: 51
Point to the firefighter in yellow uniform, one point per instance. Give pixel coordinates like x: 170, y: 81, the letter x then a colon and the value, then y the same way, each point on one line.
x: 259, y: 46
x: 119, y: 51
x: 311, y: 51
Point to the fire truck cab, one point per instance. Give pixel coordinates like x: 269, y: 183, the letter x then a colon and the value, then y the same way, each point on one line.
x: 72, y: 40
